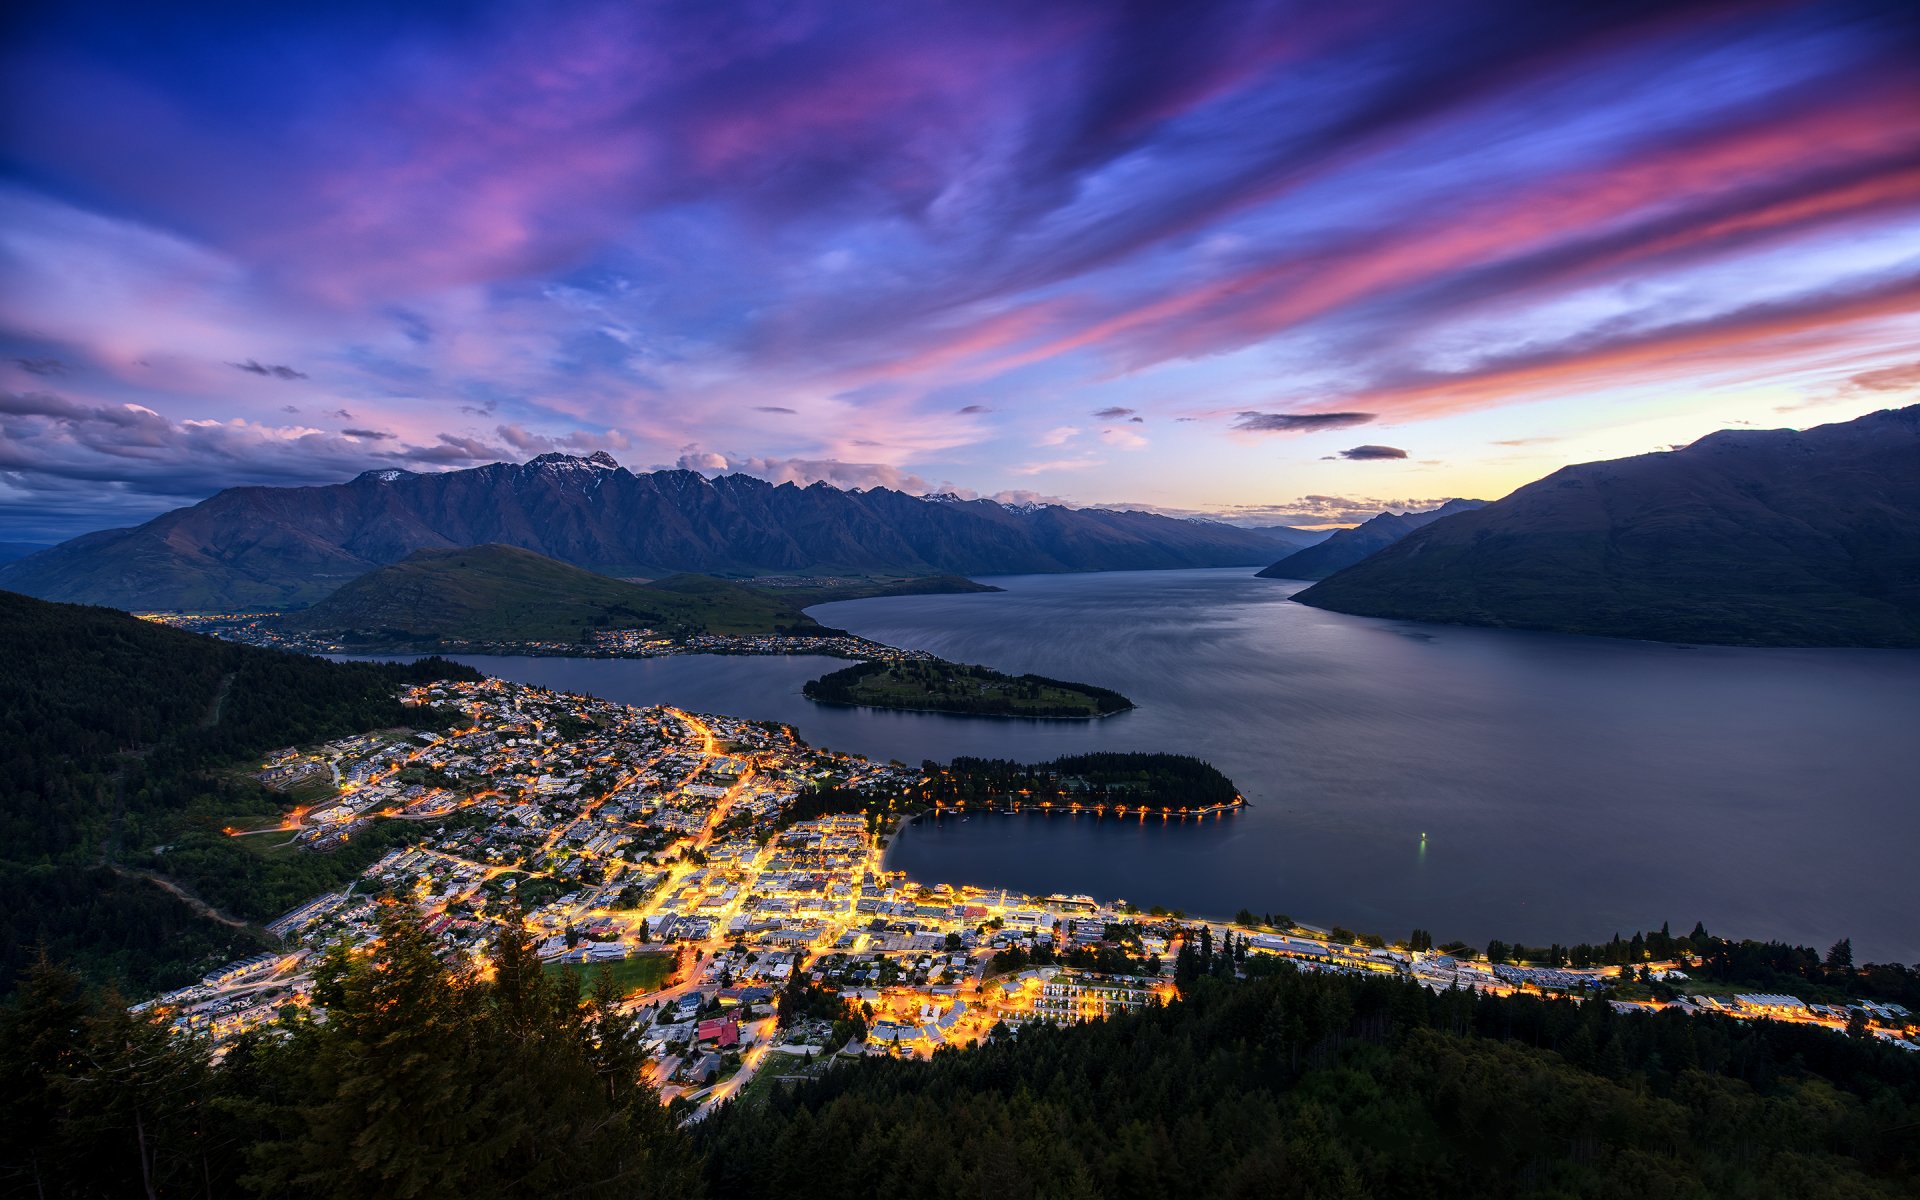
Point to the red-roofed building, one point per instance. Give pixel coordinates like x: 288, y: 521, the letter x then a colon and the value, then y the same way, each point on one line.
x: 720, y: 1031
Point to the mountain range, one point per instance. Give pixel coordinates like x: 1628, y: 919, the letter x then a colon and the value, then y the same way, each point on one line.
x: 286, y: 547
x: 1747, y: 537
x: 503, y: 593
x: 1348, y: 546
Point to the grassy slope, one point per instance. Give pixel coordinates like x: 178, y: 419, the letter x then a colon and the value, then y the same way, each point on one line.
x: 500, y: 593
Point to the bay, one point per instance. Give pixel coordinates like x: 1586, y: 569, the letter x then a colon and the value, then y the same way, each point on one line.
x: 1476, y: 783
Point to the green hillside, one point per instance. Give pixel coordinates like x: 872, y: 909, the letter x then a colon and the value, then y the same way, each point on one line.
x: 118, y: 740
x: 501, y: 593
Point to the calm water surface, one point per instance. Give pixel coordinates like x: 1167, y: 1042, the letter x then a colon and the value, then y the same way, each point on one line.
x: 1567, y: 787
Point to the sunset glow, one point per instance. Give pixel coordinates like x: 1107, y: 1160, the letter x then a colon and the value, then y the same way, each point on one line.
x: 1005, y: 250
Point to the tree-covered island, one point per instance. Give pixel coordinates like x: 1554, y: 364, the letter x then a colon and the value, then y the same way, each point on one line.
x: 1107, y: 783
x: 934, y: 685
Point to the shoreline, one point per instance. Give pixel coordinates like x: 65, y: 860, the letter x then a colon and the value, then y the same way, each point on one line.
x: 504, y: 650
x: 1123, y: 812
x: 955, y: 712
x: 1097, y: 811
x: 895, y: 830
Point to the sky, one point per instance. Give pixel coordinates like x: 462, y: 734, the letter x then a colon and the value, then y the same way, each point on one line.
x: 1267, y: 262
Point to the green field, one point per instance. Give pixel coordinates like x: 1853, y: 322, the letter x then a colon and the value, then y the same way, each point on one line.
x: 777, y: 1072
x: 936, y: 686
x: 310, y: 792
x: 636, y: 973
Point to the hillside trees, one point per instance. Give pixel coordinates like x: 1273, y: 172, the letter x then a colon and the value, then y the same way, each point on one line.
x: 429, y: 1077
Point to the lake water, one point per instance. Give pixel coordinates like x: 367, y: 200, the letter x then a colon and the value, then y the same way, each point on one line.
x: 1566, y: 787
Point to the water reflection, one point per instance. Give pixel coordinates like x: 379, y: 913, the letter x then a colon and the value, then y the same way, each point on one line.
x: 1581, y: 786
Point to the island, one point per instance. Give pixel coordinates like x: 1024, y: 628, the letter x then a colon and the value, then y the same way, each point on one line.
x: 1123, y: 784
x: 935, y: 685
x: 1127, y: 784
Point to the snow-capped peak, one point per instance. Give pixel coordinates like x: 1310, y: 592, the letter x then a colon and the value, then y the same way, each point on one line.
x: 599, y: 460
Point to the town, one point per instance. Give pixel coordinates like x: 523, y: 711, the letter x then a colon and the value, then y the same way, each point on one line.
x: 263, y: 629
x: 668, y: 850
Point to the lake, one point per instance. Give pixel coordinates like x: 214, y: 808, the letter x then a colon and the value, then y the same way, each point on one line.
x: 1476, y: 783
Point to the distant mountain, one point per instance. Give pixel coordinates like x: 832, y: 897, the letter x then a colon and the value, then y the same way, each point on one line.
x: 1288, y: 538
x: 1747, y: 537
x: 1348, y: 546
x: 260, y: 547
x: 502, y: 593
x: 10, y: 551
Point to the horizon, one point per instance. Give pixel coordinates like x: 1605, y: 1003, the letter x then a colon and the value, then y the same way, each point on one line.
x: 1258, y: 265
x: 1244, y: 522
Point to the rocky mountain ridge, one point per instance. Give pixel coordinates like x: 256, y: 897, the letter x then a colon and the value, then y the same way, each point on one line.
x: 286, y: 547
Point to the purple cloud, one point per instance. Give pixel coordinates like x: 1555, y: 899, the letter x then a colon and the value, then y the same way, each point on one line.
x: 549, y: 227
x: 1261, y: 422
x: 272, y: 370
x: 1365, y: 453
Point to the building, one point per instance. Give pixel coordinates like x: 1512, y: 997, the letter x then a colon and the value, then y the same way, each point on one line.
x: 1086, y: 995
x: 720, y: 1031
x: 1770, y: 1005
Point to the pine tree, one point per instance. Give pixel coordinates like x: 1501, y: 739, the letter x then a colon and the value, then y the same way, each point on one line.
x: 428, y: 1079
x: 395, y: 1079
x: 40, y: 1044
x: 100, y: 1101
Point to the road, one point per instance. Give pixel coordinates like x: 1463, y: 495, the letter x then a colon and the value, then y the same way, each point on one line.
x: 756, y: 1055
x: 179, y: 893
